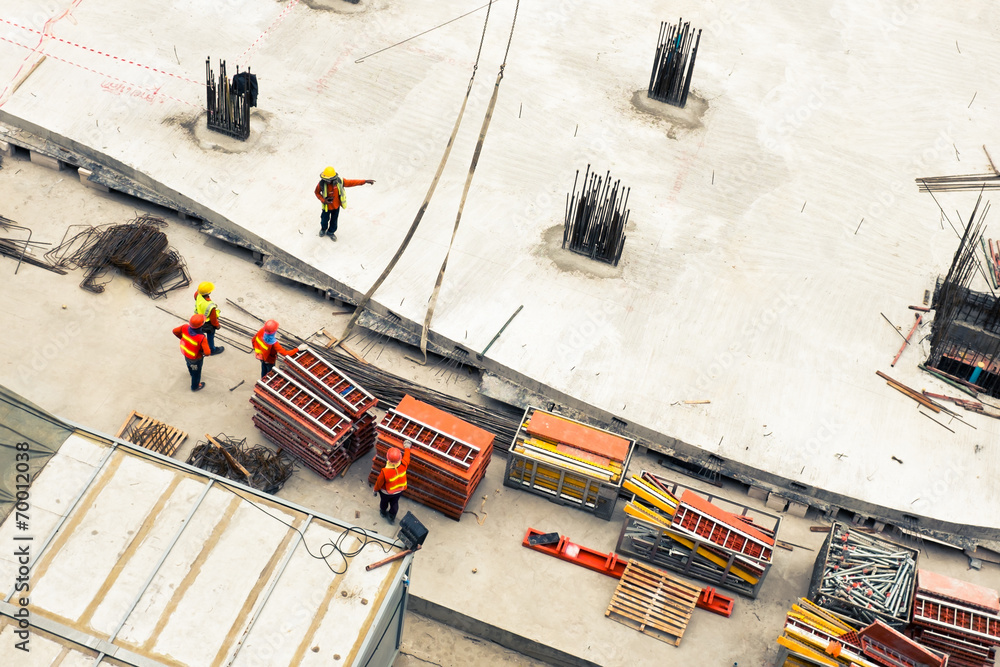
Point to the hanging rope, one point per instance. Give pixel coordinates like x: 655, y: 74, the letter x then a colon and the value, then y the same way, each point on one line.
x: 465, y: 193
x: 427, y: 198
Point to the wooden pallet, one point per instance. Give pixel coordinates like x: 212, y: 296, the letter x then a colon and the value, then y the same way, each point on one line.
x: 136, y: 422
x: 653, y: 602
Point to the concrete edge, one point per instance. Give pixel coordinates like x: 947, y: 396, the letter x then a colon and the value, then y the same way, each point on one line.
x: 497, y: 635
x: 510, y: 385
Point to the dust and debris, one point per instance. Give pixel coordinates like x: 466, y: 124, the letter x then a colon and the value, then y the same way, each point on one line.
x: 690, y: 118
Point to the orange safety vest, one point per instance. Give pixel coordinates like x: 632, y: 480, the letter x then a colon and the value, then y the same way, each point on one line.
x: 340, y: 200
x: 395, y: 480
x: 191, y: 343
x: 260, y: 348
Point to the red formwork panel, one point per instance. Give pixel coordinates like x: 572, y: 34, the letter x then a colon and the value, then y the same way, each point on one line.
x: 444, y: 422
x: 956, y: 590
x: 556, y: 429
x: 296, y: 400
x: 427, y: 464
x: 331, y: 382
x: 705, y: 508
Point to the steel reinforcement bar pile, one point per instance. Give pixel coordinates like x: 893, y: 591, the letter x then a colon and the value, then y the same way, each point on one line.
x: 304, y: 407
x: 137, y: 248
x: 500, y: 419
x: 448, y: 457
x: 258, y: 467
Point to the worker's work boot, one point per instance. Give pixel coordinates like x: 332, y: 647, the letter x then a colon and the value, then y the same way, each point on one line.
x: 218, y: 350
x: 201, y: 385
x: 333, y: 237
x: 322, y: 232
x: 392, y: 520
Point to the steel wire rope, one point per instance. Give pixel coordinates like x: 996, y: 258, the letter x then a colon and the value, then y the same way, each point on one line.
x: 427, y: 198
x: 331, y: 546
x: 465, y: 192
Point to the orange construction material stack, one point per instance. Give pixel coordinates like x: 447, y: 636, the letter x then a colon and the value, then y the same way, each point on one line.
x: 448, y: 456
x: 312, y: 410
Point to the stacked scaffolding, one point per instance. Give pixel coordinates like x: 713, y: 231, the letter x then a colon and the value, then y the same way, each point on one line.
x: 596, y: 218
x: 673, y: 64
x: 316, y: 412
x: 448, y: 457
x: 864, y: 578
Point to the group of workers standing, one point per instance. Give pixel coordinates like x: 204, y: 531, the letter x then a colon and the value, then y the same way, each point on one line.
x: 198, y: 337
x: 198, y: 340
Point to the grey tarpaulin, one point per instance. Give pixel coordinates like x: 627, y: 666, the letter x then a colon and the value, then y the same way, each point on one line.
x: 22, y: 421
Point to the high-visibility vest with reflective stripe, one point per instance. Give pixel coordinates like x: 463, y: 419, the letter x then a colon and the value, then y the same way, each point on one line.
x: 341, y: 191
x: 203, y: 306
x: 191, y: 343
x: 395, y: 480
x: 260, y: 348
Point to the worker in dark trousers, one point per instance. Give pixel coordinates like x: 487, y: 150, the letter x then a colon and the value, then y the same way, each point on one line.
x: 194, y: 346
x: 330, y: 191
x: 203, y: 305
x: 393, y: 480
x: 267, y: 348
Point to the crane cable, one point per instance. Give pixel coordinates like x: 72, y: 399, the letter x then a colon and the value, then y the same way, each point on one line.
x: 465, y: 193
x: 427, y: 198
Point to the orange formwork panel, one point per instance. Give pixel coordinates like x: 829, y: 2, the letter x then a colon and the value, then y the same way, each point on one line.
x: 550, y: 427
x: 444, y: 422
x: 959, y: 591
x: 702, y: 506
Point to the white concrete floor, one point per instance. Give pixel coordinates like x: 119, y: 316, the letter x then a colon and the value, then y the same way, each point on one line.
x: 105, y: 355
x: 746, y: 278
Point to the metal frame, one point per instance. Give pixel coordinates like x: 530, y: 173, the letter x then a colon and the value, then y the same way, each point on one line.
x: 664, y: 551
x: 606, y: 493
x: 106, y: 648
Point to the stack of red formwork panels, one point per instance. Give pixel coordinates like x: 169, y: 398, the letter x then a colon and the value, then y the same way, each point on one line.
x: 313, y: 410
x: 958, y: 618
x: 448, y: 457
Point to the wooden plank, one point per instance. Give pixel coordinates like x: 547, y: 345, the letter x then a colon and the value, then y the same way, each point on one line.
x: 229, y: 457
x: 121, y: 431
x: 653, y: 602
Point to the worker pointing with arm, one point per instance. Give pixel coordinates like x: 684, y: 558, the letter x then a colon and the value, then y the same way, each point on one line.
x: 393, y: 480
x: 267, y: 348
x: 330, y: 191
x: 194, y: 346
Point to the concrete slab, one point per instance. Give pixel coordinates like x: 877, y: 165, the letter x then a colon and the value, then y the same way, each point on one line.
x: 726, y: 281
x: 141, y: 371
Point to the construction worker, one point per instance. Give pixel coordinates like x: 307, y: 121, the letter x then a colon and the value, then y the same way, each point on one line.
x: 393, y: 480
x: 203, y: 305
x: 267, y: 348
x: 194, y: 345
x: 330, y: 191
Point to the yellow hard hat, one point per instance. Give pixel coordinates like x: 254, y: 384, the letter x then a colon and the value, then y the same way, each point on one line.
x: 206, y: 288
x: 329, y: 172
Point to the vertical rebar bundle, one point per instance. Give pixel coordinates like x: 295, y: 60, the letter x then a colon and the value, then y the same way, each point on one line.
x: 966, y: 330
x: 228, y: 110
x: 596, y: 218
x: 673, y: 64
